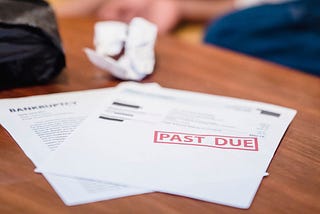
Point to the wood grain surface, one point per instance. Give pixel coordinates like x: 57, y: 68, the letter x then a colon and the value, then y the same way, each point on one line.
x: 294, y: 182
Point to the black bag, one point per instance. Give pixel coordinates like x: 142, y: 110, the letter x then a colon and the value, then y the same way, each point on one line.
x: 30, y: 45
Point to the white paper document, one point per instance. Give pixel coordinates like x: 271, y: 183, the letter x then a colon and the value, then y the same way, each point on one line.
x: 40, y: 124
x: 206, y: 147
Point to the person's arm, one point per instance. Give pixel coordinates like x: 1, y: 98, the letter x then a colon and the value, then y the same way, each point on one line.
x: 203, y: 10
x: 166, y: 14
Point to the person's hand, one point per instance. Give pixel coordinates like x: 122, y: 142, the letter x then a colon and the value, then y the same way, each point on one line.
x: 164, y: 13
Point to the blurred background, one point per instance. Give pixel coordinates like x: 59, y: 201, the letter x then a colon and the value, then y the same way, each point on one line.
x: 285, y: 32
x: 189, y: 31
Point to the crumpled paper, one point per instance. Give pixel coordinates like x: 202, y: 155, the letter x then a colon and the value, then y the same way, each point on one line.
x: 133, y: 42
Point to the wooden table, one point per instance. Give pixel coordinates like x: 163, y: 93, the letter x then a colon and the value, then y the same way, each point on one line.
x: 294, y: 182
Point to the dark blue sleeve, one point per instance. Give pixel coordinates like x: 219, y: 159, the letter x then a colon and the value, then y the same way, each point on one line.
x: 288, y: 33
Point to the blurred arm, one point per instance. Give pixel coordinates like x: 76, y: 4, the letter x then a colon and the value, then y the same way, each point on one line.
x: 203, y: 10
x: 166, y: 14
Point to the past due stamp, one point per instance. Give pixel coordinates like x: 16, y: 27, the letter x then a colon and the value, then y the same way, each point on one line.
x: 215, y: 141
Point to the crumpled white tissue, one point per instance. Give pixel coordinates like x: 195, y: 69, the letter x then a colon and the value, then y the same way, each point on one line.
x: 137, y: 39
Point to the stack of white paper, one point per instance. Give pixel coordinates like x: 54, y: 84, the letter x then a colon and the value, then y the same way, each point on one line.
x: 40, y: 124
x: 201, y: 146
